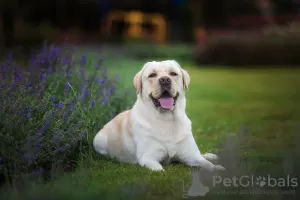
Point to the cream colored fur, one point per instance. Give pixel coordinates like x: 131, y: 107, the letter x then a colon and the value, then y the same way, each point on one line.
x: 150, y: 136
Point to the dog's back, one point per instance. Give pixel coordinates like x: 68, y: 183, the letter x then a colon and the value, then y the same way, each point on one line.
x: 115, y: 139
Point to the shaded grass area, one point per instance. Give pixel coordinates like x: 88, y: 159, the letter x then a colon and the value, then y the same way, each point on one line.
x: 219, y: 102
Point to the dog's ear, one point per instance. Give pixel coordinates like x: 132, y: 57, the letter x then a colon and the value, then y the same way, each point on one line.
x: 137, y: 82
x: 185, y: 75
x: 186, y: 79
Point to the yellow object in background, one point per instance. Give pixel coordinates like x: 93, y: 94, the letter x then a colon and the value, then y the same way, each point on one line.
x: 160, y: 26
x: 135, y: 20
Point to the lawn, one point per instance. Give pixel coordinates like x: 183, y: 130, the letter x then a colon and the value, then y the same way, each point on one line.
x: 220, y: 102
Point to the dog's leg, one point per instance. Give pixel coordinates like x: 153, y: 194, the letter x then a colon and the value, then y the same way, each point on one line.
x: 190, y: 155
x: 150, y: 163
x: 210, y: 156
x: 150, y: 157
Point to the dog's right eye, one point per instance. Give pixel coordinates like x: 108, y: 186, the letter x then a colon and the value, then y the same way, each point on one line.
x: 152, y: 75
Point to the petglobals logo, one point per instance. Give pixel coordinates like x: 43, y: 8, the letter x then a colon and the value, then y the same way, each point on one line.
x: 253, y: 181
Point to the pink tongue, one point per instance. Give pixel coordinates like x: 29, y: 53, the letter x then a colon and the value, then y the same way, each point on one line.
x: 166, y: 103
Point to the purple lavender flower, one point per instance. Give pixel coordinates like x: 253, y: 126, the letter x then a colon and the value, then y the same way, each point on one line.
x: 38, y: 172
x: 101, y: 91
x: 103, y: 100
x: 67, y: 89
x: 4, y: 72
x: 85, y: 94
x: 57, y: 139
x: 43, y: 107
x: 83, y: 61
x: 33, y: 61
x: 39, y: 134
x: 111, y: 91
x: 37, y: 146
x: 68, y: 75
x: 13, y: 84
x: 50, y: 70
x: 55, y: 51
x: 66, y: 117
x: 61, y: 149
x: 83, y: 132
x: 62, y: 133
x: 28, y: 116
x: 43, y: 74
x: 28, y: 157
x: 82, y: 74
x: 45, y: 126
x: 29, y: 88
x: 54, y: 58
x: 17, y: 77
x: 99, y: 63
x: 26, y: 109
x: 65, y: 61
x: 60, y: 105
x: 93, y: 103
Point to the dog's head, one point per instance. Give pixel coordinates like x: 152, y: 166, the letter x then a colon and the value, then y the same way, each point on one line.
x: 162, y: 83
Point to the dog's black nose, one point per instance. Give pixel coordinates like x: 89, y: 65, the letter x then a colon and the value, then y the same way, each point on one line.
x: 165, y: 80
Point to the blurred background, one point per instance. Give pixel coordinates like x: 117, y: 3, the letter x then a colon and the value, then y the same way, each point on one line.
x: 257, y: 31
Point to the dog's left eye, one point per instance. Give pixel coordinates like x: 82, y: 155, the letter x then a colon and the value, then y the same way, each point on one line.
x: 152, y: 75
x: 173, y: 74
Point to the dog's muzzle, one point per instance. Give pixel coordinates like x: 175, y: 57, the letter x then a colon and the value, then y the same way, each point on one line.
x: 166, y: 101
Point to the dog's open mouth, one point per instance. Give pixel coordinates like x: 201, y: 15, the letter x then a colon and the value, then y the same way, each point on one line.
x: 165, y: 101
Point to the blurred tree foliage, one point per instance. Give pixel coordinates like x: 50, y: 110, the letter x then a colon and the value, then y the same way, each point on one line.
x: 8, y: 10
x: 88, y: 14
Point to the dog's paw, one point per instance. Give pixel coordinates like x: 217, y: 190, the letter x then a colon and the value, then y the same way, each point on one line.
x: 219, y: 168
x: 157, y: 169
x: 210, y: 156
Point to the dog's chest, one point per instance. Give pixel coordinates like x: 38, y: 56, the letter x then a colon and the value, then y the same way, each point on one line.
x: 162, y: 136
x: 170, y: 137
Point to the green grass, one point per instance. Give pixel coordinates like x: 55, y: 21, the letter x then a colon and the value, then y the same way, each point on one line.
x: 219, y: 101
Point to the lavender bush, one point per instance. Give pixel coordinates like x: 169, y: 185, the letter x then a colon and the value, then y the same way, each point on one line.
x: 50, y: 110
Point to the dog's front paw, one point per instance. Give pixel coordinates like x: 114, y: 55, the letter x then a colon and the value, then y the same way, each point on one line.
x: 151, y: 164
x: 210, y: 156
x: 219, y: 168
x: 157, y: 168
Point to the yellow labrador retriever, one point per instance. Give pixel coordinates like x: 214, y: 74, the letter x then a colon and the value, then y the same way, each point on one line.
x: 156, y: 130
